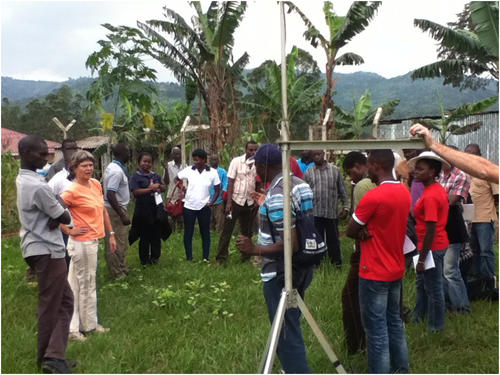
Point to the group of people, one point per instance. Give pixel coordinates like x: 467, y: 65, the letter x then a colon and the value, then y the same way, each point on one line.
x: 79, y: 212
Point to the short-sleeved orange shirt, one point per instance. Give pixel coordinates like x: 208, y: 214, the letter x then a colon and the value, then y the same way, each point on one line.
x: 86, y: 206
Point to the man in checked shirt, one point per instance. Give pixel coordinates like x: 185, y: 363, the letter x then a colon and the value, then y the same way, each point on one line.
x: 328, y: 186
x: 456, y: 184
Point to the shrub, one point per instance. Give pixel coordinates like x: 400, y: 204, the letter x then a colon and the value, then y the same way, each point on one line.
x: 10, y: 216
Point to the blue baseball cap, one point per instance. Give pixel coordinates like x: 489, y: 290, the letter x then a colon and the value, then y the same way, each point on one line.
x: 269, y: 154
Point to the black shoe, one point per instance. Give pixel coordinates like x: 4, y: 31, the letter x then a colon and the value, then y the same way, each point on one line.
x: 55, y: 366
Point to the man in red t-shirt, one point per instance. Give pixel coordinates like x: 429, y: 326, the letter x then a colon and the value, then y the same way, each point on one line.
x: 379, y: 222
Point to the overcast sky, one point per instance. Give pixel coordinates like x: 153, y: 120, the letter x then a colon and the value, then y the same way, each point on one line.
x: 44, y: 40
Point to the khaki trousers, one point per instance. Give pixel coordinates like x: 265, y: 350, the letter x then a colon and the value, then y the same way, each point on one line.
x: 116, y: 262
x: 82, y: 279
x: 217, y: 223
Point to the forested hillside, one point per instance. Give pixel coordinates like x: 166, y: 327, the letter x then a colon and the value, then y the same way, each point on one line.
x: 418, y: 98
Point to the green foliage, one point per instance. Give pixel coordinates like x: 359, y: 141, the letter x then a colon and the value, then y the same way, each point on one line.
x: 262, y: 104
x: 238, y: 148
x: 10, y: 216
x: 468, y: 49
x: 445, y: 125
x: 180, y: 338
x: 123, y: 76
x: 36, y: 118
x: 354, y: 124
x: 341, y: 30
x: 202, y: 53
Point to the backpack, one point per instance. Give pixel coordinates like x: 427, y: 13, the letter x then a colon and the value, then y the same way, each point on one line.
x: 312, y: 247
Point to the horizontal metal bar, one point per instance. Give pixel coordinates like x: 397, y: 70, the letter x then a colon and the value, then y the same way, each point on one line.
x: 360, y: 144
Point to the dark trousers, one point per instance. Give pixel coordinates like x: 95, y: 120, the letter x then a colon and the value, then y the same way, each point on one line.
x: 351, y: 315
x: 330, y: 231
x: 291, y: 349
x: 245, y: 214
x: 149, y: 243
x: 203, y: 217
x: 55, y: 306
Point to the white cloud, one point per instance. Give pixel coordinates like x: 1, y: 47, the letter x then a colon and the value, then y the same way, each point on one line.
x: 42, y: 37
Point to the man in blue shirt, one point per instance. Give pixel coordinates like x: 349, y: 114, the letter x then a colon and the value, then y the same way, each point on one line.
x: 291, y: 350
x: 218, y: 207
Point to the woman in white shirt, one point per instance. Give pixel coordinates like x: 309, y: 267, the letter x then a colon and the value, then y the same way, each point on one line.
x: 197, y: 204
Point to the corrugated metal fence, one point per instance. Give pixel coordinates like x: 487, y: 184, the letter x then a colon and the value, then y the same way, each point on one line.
x: 486, y: 137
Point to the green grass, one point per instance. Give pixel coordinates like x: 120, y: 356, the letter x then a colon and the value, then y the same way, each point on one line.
x: 180, y: 317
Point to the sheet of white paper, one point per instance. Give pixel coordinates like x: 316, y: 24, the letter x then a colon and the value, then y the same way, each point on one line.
x: 429, y: 261
x: 158, y: 198
x: 408, y: 246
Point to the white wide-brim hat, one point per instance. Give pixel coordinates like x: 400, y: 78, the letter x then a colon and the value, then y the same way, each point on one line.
x: 426, y: 155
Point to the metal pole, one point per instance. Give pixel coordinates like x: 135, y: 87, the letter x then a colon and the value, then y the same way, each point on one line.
x: 183, y: 139
x: 285, y: 137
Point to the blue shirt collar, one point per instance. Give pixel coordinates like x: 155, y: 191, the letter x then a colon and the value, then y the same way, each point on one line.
x: 121, y: 165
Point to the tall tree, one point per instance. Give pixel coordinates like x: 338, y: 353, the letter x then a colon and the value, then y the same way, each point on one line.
x: 353, y: 124
x: 262, y: 104
x: 203, y: 53
x: 341, y: 30
x: 468, y: 48
x: 123, y: 77
x: 447, y: 126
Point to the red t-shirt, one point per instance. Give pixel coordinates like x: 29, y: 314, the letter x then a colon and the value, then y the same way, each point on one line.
x: 384, y: 210
x: 432, y: 206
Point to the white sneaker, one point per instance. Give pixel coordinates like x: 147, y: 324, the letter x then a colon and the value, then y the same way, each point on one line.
x: 77, y: 336
x: 101, y: 329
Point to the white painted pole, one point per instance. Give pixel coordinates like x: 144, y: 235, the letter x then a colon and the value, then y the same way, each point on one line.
x: 183, y: 139
x: 376, y: 121
x: 285, y: 137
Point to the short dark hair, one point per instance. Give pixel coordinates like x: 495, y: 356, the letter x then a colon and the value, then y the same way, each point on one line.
x: 384, y: 157
x: 250, y: 142
x: 120, y: 149
x: 433, y: 164
x: 142, y: 154
x: 28, y: 143
x: 200, y: 153
x: 66, y: 141
x: 352, y: 158
x: 475, y: 147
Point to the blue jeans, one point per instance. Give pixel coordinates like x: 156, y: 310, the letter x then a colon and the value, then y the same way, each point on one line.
x: 482, y: 236
x: 454, y: 287
x: 385, y: 334
x: 430, y: 294
x: 291, y: 349
x: 203, y: 217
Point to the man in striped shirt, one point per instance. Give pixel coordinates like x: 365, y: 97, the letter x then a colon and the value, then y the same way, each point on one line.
x: 328, y: 187
x: 291, y: 350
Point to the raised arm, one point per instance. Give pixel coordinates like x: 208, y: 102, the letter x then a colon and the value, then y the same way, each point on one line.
x: 474, y: 165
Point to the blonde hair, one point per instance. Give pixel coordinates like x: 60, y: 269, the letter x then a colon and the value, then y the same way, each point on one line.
x: 79, y: 157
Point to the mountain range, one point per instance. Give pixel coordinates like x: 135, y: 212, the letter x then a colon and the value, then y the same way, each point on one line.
x: 417, y: 98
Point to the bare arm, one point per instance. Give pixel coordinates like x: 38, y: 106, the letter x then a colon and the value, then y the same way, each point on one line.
x: 474, y: 165
x: 109, y: 230
x: 357, y: 231
x: 111, y: 195
x: 430, y: 231
x: 216, y: 195
x: 230, y: 189
x: 245, y: 245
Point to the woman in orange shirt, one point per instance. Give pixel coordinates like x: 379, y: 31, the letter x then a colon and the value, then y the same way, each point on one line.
x: 85, y: 202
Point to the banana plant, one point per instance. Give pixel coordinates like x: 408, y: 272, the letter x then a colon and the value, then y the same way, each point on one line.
x: 353, y: 124
x: 447, y: 125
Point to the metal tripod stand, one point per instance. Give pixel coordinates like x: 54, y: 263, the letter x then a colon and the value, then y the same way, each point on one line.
x: 290, y: 298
